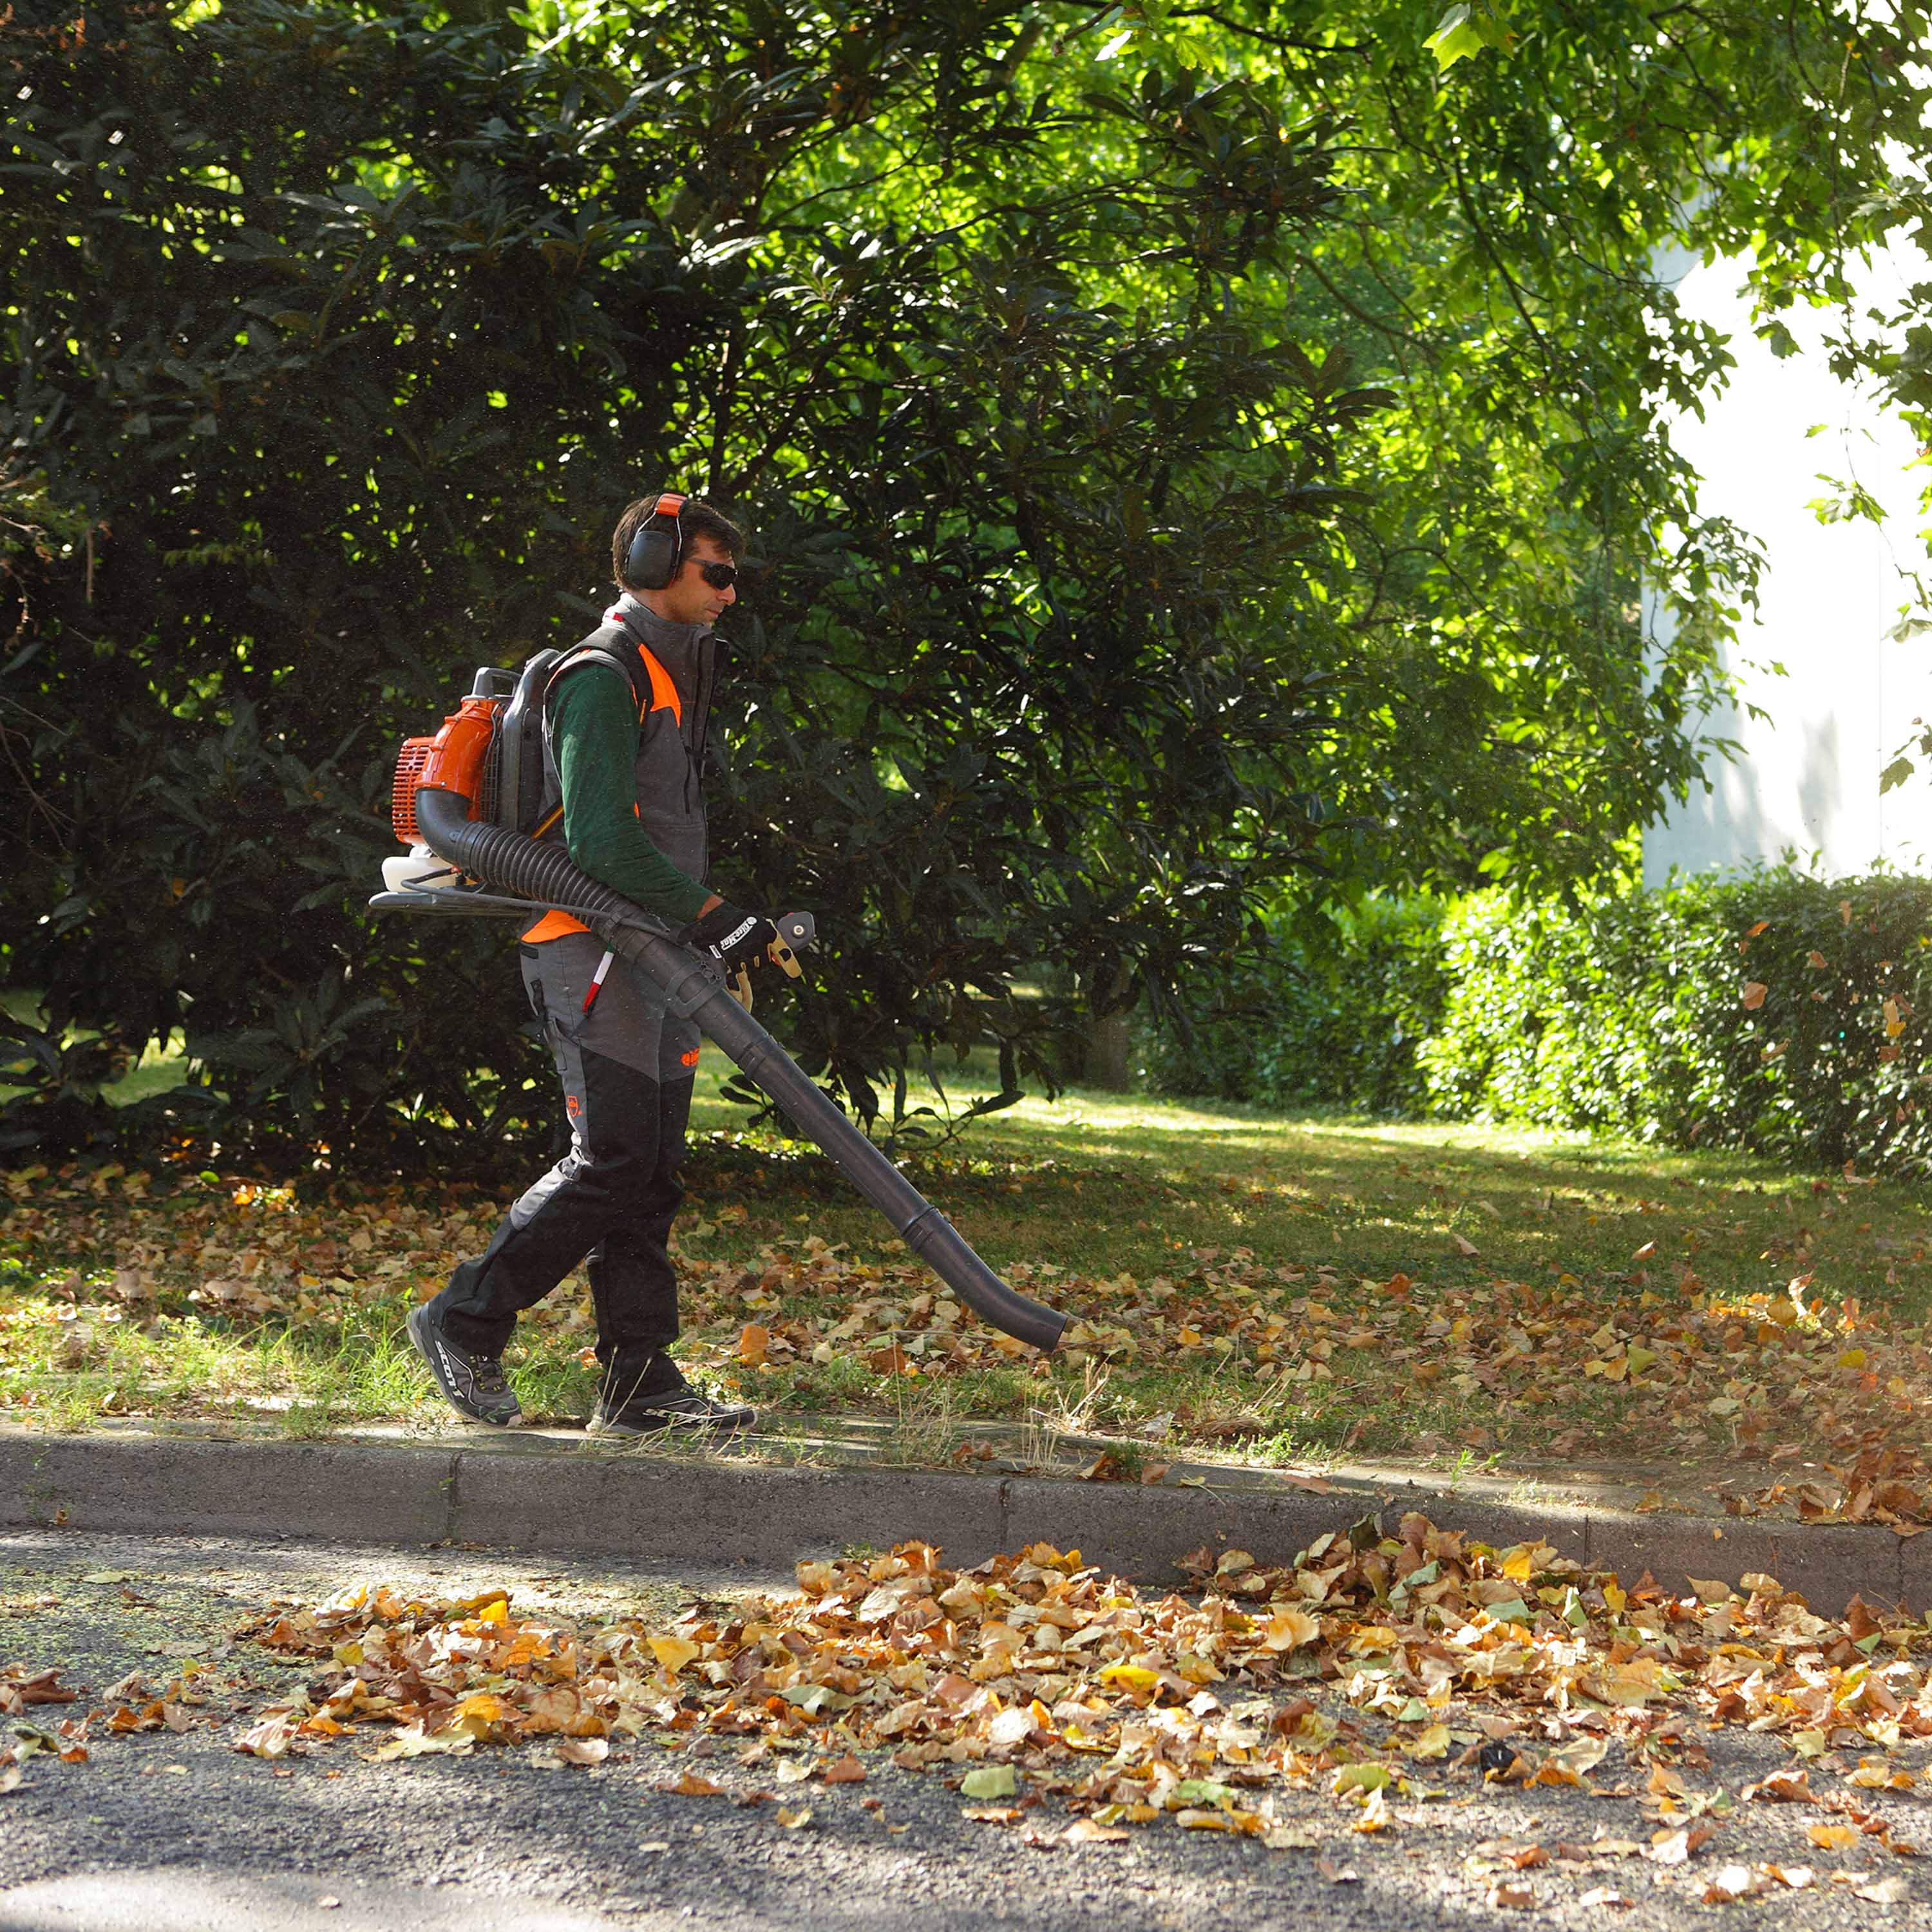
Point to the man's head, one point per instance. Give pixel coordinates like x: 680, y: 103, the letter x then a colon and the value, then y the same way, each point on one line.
x: 709, y: 538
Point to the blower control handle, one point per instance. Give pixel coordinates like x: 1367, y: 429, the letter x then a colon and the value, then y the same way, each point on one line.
x: 797, y: 930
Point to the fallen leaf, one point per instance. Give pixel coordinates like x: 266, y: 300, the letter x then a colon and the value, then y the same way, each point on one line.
x: 793, y: 1820
x: 1732, y: 1882
x: 1892, y: 1890
x: 1292, y: 1838
x: 270, y: 1738
x: 989, y: 1780
x: 1832, y: 1837
x: 1789, y: 1787
x: 691, y: 1785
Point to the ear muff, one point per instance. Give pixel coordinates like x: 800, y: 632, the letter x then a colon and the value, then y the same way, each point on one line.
x: 658, y: 548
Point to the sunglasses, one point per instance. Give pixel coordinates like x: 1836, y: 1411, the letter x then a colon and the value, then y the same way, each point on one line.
x: 719, y: 576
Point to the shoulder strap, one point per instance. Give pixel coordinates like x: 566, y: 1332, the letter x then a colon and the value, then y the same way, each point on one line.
x: 614, y: 645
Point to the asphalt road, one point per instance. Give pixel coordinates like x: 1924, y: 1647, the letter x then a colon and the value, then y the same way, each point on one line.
x: 162, y: 1831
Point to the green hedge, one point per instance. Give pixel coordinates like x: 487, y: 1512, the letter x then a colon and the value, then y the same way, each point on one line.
x: 1771, y: 1012
x: 1330, y: 1012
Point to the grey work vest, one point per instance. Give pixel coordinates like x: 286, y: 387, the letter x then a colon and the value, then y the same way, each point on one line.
x: 672, y: 679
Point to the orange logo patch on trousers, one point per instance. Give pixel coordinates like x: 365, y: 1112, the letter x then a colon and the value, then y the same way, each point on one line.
x: 689, y: 1059
x: 572, y: 1105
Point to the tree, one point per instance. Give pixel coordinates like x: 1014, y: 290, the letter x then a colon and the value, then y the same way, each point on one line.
x: 1186, y: 447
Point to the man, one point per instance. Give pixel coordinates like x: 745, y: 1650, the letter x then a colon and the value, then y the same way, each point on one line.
x: 626, y: 718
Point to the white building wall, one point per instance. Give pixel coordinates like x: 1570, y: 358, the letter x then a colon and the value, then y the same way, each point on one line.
x: 1806, y: 778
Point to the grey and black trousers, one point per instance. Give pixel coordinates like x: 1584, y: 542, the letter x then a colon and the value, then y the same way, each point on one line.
x: 626, y: 1064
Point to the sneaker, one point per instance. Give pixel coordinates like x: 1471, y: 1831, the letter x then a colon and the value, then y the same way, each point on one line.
x: 673, y: 1405
x: 475, y: 1383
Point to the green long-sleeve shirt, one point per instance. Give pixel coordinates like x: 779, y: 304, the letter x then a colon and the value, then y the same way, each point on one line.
x: 594, y: 732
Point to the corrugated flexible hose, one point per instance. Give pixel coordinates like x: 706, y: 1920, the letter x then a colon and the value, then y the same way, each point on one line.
x: 514, y: 863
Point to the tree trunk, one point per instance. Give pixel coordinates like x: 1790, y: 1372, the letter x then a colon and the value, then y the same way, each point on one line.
x: 1109, y: 1053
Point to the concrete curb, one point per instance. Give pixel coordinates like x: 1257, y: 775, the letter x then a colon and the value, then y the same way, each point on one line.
x: 563, y: 1495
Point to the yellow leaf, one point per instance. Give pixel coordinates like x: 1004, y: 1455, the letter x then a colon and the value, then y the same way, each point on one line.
x: 1518, y: 1565
x: 1375, y: 1814
x: 1133, y: 1676
x: 1614, y: 1596
x: 1832, y: 1837
x: 673, y: 1652
x: 1289, y: 1630
x: 990, y: 1781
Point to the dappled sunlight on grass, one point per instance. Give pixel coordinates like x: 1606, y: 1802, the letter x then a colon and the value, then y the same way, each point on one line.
x: 1308, y: 1286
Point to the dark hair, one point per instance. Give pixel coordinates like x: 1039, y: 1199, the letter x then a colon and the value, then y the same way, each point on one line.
x: 697, y: 518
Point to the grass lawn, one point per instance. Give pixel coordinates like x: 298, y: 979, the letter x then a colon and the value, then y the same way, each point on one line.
x: 1299, y: 1288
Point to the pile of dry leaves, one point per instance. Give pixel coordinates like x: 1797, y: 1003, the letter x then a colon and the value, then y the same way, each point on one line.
x: 1031, y: 1681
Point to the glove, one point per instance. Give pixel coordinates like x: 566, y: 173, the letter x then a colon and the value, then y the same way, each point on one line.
x: 738, y: 984
x: 730, y: 933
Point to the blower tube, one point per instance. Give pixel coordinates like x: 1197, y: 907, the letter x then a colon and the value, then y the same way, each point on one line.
x: 692, y: 983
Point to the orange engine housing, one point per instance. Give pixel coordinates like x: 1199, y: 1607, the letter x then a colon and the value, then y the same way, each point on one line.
x: 452, y: 761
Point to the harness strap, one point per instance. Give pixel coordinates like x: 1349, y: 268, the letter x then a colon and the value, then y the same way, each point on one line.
x: 658, y: 693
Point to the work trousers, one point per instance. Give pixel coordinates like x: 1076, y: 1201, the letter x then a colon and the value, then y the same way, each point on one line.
x: 626, y: 1065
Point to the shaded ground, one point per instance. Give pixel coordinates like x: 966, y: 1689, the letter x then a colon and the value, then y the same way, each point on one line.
x: 180, y: 1815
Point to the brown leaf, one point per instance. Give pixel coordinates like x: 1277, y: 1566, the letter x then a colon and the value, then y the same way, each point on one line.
x: 1085, y: 1832
x: 1753, y: 994
x: 691, y: 1785
x: 847, y: 1771
x: 1790, y: 1786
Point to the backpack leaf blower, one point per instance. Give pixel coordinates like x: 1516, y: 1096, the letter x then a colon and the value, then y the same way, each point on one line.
x: 442, y: 787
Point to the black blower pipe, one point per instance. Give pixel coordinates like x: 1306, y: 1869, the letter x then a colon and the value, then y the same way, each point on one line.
x: 693, y: 984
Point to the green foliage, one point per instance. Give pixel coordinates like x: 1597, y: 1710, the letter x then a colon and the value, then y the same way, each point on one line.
x: 1330, y: 1012
x: 356, y: 330
x: 1467, y: 29
x: 1774, y: 1012
x: 1179, y: 450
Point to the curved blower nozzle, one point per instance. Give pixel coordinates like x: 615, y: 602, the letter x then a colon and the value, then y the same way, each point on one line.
x: 693, y: 985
